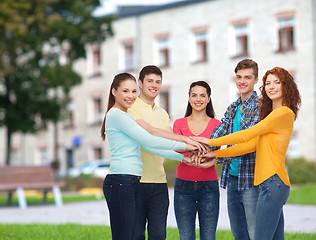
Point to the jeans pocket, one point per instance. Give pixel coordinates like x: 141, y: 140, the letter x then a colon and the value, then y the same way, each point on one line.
x: 284, y: 192
x: 266, y: 185
x: 107, y: 191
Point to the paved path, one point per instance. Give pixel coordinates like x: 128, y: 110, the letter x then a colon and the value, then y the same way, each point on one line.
x: 297, y: 218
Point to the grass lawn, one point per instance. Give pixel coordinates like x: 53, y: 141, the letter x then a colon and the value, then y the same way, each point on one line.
x: 94, y: 232
x: 305, y: 194
x: 50, y: 200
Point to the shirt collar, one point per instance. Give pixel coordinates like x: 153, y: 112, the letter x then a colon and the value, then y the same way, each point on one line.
x: 143, y: 104
x: 249, y: 100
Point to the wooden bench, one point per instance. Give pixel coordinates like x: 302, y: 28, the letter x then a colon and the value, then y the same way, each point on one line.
x: 19, y: 178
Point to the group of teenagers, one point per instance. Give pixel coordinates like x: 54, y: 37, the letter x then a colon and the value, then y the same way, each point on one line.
x: 257, y: 130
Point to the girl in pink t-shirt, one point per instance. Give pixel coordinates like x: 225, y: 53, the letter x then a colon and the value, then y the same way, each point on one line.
x: 196, y: 189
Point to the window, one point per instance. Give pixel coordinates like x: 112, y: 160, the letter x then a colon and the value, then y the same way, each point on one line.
x: 293, y: 151
x: 164, y: 100
x: 97, y: 153
x: 94, y: 60
x: 241, y: 32
x: 97, y: 108
x: 95, y: 111
x: 69, y: 157
x: 69, y: 121
x: 286, y: 34
x: 40, y: 124
x: 43, y: 156
x: 233, y: 91
x: 163, y: 49
x: 129, y: 57
x: 201, y: 46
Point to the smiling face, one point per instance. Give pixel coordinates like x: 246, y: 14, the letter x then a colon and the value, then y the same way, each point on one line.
x: 150, y: 87
x: 125, y: 95
x: 273, y: 89
x: 198, y: 98
x: 245, y: 82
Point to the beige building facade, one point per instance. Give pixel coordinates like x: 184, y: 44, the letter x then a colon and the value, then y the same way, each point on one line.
x: 190, y: 41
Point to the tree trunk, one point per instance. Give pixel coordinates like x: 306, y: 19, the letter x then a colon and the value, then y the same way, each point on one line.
x: 8, y: 152
x: 55, y: 153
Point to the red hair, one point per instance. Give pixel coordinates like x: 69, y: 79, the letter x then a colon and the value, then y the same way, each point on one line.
x: 290, y: 93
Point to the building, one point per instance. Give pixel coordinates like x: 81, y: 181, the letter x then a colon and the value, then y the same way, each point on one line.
x: 190, y: 40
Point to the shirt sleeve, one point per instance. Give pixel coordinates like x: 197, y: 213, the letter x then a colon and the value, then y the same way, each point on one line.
x: 163, y: 153
x: 220, y: 131
x: 126, y: 124
x: 273, y: 122
x: 238, y: 149
x: 176, y: 127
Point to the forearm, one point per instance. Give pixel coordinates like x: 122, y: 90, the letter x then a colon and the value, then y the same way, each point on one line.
x: 127, y: 125
x: 164, y: 153
x: 158, y: 132
x: 169, y: 135
x: 237, y: 150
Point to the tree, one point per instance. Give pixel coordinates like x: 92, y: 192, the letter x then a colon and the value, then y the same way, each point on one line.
x: 39, y: 41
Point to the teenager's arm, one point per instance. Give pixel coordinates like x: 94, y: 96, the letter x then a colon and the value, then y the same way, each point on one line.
x: 238, y: 149
x: 234, y: 151
x: 275, y: 121
x: 126, y: 124
x: 167, y: 154
x: 169, y: 134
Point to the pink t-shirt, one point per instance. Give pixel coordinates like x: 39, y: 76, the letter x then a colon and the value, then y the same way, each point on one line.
x: 190, y: 173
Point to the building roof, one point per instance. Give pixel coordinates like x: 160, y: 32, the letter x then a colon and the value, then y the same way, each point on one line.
x: 135, y: 10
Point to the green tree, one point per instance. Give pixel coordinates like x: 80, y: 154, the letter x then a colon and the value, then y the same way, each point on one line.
x: 34, y: 36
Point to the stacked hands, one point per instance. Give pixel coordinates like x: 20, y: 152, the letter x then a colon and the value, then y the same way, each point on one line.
x: 200, y: 153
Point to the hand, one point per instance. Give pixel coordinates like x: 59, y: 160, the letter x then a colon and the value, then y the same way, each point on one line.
x: 210, y: 154
x: 201, y: 140
x: 190, y: 148
x: 188, y: 161
x: 200, y: 146
x: 196, y: 158
x: 207, y: 164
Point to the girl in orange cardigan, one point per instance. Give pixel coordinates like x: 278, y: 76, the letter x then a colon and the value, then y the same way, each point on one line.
x: 270, y: 139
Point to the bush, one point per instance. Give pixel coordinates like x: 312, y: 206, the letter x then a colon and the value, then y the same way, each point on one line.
x: 301, y: 170
x: 171, y: 169
x: 83, y: 181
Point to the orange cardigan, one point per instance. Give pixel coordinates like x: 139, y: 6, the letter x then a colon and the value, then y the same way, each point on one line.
x: 270, y: 139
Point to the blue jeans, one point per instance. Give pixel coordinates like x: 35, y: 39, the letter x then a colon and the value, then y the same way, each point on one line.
x: 152, y: 207
x: 269, y: 218
x: 241, y: 206
x: 191, y: 197
x: 120, y: 194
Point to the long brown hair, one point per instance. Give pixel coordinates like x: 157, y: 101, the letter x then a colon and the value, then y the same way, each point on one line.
x: 209, y: 107
x: 118, y: 79
x: 290, y: 93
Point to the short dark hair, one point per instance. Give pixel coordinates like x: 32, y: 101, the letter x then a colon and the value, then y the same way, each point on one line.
x: 248, y: 63
x: 149, y: 69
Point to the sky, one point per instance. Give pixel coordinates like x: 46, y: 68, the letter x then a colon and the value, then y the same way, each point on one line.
x: 108, y: 6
